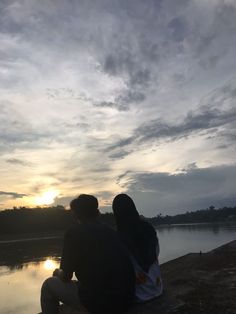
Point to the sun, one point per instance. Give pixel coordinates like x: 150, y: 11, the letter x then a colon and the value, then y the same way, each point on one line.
x: 47, y: 198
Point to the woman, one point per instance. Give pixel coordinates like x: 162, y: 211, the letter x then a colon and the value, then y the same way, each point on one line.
x: 141, y: 240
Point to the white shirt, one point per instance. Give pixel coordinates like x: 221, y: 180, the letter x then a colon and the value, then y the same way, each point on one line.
x: 148, y: 284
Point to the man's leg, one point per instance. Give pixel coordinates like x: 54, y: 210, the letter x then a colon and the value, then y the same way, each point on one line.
x: 54, y: 290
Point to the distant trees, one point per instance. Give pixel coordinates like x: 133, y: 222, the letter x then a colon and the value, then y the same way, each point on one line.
x: 26, y: 220
x: 52, y: 219
x: 204, y: 215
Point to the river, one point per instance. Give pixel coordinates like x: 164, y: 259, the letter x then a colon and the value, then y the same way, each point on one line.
x: 20, y: 281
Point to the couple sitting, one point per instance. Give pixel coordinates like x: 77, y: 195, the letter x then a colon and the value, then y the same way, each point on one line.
x: 114, y: 269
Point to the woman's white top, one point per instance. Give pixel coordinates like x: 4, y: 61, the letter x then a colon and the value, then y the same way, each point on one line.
x: 148, y: 284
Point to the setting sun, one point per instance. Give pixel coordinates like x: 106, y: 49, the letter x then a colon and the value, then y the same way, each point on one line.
x: 47, y: 198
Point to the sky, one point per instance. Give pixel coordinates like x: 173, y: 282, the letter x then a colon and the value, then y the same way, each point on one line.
x: 105, y: 97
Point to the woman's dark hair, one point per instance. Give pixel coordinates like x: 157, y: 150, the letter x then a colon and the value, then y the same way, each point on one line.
x: 125, y: 212
x: 138, y: 235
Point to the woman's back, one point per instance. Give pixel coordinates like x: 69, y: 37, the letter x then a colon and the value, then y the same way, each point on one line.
x: 141, y: 240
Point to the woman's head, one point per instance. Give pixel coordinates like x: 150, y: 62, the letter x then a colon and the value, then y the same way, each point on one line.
x: 125, y: 211
x: 137, y: 234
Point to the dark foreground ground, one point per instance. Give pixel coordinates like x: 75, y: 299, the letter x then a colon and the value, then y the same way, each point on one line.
x: 195, y: 283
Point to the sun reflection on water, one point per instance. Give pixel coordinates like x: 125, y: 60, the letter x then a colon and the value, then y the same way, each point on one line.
x: 50, y: 264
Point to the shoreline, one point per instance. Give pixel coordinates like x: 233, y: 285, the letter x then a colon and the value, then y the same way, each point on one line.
x: 44, y: 235
x: 29, y: 239
x: 11, y: 237
x: 196, y: 224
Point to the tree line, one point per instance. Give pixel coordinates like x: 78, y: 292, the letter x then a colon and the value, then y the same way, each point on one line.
x: 35, y: 220
x: 211, y: 214
x: 53, y: 219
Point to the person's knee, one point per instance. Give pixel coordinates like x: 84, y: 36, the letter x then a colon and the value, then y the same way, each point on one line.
x: 49, y: 284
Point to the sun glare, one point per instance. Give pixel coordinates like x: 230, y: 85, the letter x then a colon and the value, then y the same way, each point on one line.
x: 50, y: 264
x: 47, y: 198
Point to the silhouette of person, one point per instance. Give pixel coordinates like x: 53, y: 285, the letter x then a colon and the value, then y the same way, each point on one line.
x: 142, y: 242
x: 101, y: 263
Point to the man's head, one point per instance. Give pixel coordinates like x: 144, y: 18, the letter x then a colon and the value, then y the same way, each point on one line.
x: 85, y: 207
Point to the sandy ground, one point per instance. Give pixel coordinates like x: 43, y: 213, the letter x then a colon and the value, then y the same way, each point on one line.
x: 195, y: 283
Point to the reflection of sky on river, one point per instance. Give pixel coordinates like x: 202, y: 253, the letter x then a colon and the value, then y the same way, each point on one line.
x: 178, y: 240
x: 20, y: 287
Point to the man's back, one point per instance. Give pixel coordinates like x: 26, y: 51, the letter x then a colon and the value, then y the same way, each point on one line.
x: 101, y: 264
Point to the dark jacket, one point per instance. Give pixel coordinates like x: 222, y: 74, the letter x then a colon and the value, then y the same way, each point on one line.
x: 102, y: 266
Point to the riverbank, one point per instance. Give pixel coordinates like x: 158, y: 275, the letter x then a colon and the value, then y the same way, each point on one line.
x: 194, y: 283
x: 175, y: 241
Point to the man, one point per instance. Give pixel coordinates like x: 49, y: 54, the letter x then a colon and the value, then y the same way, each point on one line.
x: 100, y: 262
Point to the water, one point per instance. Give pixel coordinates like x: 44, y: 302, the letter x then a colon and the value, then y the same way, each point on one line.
x: 178, y: 240
x: 20, y: 282
x: 20, y: 287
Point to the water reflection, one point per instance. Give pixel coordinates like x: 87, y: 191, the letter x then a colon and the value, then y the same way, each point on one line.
x: 20, y: 287
x: 215, y: 227
x: 178, y: 240
x: 50, y: 264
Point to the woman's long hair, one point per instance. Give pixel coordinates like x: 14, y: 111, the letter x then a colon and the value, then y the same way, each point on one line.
x: 138, y: 235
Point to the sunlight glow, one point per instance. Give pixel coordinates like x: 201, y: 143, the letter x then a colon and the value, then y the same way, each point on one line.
x: 47, y: 198
x: 50, y: 264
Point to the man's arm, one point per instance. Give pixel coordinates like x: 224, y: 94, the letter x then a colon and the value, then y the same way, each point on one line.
x: 67, y: 268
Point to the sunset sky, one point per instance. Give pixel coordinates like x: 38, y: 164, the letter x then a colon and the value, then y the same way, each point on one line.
x: 104, y: 97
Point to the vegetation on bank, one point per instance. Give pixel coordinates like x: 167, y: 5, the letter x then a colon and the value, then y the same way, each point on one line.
x: 211, y: 214
x: 52, y: 219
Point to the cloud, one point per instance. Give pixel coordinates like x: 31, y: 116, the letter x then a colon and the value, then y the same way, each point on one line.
x: 16, y: 161
x: 16, y: 131
x: 216, y: 114
x: 64, y: 200
x: 130, y: 97
x: 119, y: 155
x: 155, y: 131
x: 136, y: 77
x: 124, y: 62
x: 178, y: 28
x: 12, y: 195
x: 104, y: 199
x: 194, y: 122
x: 92, y: 89
x: 110, y: 104
x: 192, y: 189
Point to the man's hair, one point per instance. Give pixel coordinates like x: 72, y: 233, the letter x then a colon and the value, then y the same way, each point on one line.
x: 85, y: 207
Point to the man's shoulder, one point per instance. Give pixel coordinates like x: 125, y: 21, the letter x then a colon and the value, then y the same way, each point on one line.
x: 73, y: 230
x: 97, y: 227
x: 84, y: 227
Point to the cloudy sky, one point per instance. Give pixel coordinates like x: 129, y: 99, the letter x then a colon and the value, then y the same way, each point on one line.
x: 105, y: 97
